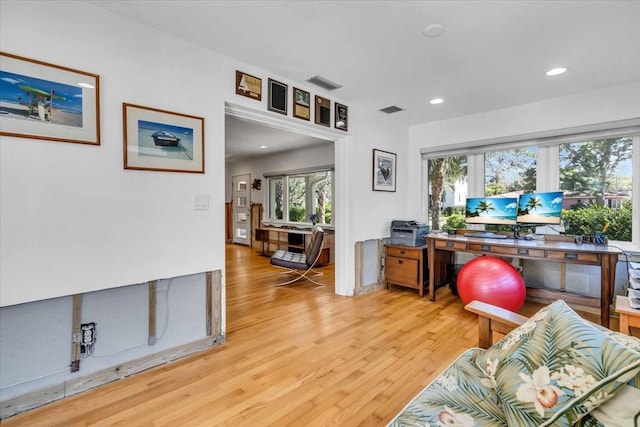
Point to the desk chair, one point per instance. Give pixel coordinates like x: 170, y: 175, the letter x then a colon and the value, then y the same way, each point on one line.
x: 301, y: 264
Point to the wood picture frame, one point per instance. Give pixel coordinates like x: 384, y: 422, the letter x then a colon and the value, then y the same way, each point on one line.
x: 159, y: 140
x: 45, y: 101
x: 278, y: 93
x: 341, y: 117
x: 384, y: 171
x: 322, y: 111
x: 248, y: 85
x: 301, y: 104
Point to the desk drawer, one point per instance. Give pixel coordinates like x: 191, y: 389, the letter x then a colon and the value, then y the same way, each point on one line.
x: 502, y: 250
x: 506, y: 250
x: 401, y: 270
x: 450, y: 246
x: 407, y: 252
x: 587, y: 258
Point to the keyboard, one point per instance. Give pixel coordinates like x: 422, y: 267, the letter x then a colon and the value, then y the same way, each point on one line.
x: 486, y: 235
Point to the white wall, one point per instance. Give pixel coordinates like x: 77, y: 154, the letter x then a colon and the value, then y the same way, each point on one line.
x: 73, y: 220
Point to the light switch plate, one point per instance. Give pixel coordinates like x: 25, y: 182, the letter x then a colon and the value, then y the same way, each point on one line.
x: 200, y: 202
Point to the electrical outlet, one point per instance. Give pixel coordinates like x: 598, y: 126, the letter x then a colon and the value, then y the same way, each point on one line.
x: 88, y: 331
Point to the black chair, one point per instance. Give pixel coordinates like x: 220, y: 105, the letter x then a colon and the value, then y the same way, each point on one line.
x: 301, y: 264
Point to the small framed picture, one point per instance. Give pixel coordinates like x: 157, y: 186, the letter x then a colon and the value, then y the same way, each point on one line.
x: 158, y: 140
x: 45, y: 101
x: 248, y: 85
x: 323, y: 111
x: 341, y: 117
x: 301, y: 104
x: 384, y: 171
x: 278, y: 97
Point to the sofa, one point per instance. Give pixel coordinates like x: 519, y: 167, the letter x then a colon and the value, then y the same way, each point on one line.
x: 554, y: 369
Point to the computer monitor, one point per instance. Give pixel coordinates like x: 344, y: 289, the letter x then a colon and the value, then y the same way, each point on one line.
x: 491, y: 210
x: 540, y: 208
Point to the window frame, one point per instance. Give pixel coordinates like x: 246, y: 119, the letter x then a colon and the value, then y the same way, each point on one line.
x: 547, y: 145
x: 285, y: 176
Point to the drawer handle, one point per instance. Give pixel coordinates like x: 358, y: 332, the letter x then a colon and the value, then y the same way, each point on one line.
x: 400, y: 261
x: 449, y: 244
x: 485, y: 247
x: 523, y: 251
x: 570, y: 256
x: 402, y: 252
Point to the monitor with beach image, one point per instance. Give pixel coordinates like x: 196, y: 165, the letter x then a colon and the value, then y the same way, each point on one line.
x: 540, y: 208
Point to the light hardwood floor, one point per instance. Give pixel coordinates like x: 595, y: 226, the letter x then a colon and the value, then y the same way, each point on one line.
x: 293, y: 356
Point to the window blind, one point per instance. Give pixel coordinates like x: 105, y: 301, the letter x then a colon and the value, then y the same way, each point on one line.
x: 311, y: 169
x: 538, y: 139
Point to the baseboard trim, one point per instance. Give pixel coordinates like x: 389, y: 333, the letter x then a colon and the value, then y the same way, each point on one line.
x: 34, y: 399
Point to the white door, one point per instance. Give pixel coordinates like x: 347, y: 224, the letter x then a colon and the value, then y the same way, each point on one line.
x: 241, y: 213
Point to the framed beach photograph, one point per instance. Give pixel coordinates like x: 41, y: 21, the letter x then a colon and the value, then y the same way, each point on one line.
x: 301, y: 104
x: 341, y: 119
x: 384, y: 171
x: 158, y: 140
x: 323, y: 111
x: 277, y: 97
x: 45, y: 101
x: 248, y: 85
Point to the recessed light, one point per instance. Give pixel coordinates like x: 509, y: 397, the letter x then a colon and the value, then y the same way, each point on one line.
x: 433, y: 30
x: 436, y: 101
x: 262, y: 146
x: 556, y: 71
x: 86, y: 85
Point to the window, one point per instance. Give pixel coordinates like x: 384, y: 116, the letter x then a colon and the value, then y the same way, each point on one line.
x: 510, y: 171
x: 295, y: 198
x: 447, y: 191
x: 276, y: 192
x: 594, y: 170
x: 596, y: 178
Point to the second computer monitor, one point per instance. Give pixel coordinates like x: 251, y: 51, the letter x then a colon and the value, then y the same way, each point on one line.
x: 540, y: 208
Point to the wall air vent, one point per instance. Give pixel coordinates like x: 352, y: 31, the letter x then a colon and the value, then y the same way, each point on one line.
x: 391, y: 109
x: 323, y: 83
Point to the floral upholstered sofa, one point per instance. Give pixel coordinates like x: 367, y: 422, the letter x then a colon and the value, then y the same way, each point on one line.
x: 555, y: 369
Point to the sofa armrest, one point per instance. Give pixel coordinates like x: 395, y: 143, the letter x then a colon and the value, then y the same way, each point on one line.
x: 493, y: 319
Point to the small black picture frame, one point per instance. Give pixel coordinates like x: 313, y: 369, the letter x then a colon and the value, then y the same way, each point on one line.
x: 323, y: 111
x: 278, y: 97
x: 341, y: 117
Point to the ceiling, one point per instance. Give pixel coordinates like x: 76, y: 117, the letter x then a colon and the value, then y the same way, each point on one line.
x: 492, y: 54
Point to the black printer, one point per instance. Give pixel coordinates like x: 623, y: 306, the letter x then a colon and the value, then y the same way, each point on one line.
x: 408, y: 233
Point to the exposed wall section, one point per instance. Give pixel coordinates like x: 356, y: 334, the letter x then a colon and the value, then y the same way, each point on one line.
x: 37, y: 369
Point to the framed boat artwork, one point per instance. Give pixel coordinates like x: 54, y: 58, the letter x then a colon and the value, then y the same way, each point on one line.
x: 44, y: 101
x: 159, y: 140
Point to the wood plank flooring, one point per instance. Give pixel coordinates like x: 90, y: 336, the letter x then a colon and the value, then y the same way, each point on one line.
x: 294, y: 356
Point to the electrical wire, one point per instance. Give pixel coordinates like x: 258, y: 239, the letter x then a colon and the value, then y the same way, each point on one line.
x: 146, y: 344
x: 57, y: 371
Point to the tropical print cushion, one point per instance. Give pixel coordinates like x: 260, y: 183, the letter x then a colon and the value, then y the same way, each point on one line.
x: 456, y: 397
x: 556, y: 368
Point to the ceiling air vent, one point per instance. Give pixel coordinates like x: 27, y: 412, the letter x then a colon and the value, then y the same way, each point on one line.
x: 391, y: 109
x: 323, y: 83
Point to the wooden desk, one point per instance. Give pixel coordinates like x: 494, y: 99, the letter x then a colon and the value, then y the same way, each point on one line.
x: 290, y: 239
x: 629, y: 317
x: 442, y: 249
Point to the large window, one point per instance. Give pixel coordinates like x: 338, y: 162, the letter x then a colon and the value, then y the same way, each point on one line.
x: 596, y: 178
x: 447, y: 191
x: 595, y: 174
x: 301, y: 197
x: 509, y: 172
